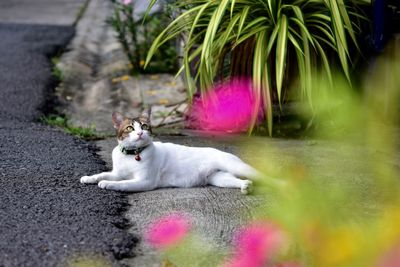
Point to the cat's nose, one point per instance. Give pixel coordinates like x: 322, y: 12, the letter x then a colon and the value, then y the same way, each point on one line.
x: 140, y: 133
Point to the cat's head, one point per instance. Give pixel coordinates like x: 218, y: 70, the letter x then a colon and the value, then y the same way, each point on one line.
x: 133, y: 133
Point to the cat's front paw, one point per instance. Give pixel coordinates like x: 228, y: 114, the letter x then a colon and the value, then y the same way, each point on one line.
x: 88, y: 180
x: 104, y: 184
x: 246, y: 187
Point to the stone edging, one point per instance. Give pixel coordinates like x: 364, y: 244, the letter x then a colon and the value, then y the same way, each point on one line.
x: 95, y: 81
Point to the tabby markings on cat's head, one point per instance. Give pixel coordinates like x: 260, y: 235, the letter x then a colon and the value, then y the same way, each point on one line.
x: 134, y: 132
x: 132, y: 125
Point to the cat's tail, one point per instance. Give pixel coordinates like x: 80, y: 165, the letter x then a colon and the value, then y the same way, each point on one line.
x: 243, y: 170
x: 238, y: 168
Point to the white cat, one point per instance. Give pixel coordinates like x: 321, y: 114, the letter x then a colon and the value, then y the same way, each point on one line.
x: 139, y: 164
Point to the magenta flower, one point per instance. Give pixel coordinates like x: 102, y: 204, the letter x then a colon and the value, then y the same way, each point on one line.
x: 255, y: 244
x: 228, y: 108
x: 391, y: 258
x: 127, y: 2
x: 167, y: 230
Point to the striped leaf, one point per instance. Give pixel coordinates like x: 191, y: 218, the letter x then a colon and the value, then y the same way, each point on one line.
x: 281, y: 50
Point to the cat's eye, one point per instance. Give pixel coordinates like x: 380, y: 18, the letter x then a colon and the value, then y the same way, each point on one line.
x: 129, y: 129
x: 145, y: 127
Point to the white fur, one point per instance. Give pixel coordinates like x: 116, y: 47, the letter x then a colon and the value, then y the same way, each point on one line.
x: 171, y: 165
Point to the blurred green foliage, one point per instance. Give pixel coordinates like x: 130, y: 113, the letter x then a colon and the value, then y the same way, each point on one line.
x: 136, y: 36
x: 340, y: 205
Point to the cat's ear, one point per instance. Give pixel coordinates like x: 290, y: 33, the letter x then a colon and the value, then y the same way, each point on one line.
x: 145, y: 115
x: 117, y: 119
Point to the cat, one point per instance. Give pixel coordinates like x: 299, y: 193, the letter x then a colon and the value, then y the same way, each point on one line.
x: 139, y: 164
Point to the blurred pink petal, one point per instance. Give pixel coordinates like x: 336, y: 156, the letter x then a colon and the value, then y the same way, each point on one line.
x: 244, y: 261
x: 229, y: 107
x: 391, y: 258
x: 168, y: 230
x: 255, y: 244
x: 127, y: 2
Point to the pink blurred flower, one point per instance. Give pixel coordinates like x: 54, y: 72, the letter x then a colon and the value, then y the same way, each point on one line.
x: 255, y: 244
x: 391, y: 258
x: 167, y: 230
x: 228, y: 107
x: 127, y: 2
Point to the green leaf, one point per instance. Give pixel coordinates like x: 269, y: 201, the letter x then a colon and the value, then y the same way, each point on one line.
x: 164, y: 37
x: 149, y: 7
x: 258, y: 22
x: 243, y: 18
x: 325, y: 61
x: 232, y: 7
x: 209, y: 38
x: 327, y: 33
x: 346, y: 20
x: 303, y: 28
x: 281, y: 51
x: 258, y: 72
x: 250, y: 34
x: 340, y: 37
x: 194, y: 24
x: 296, y: 44
x: 266, y: 85
x: 271, y: 40
x: 301, y: 65
x: 227, y: 35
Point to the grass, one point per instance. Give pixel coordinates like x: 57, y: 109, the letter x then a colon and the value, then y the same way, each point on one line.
x: 87, y: 133
x: 56, y: 72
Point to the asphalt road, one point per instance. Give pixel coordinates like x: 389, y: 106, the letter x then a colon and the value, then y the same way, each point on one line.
x: 46, y: 216
x: 49, y: 12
